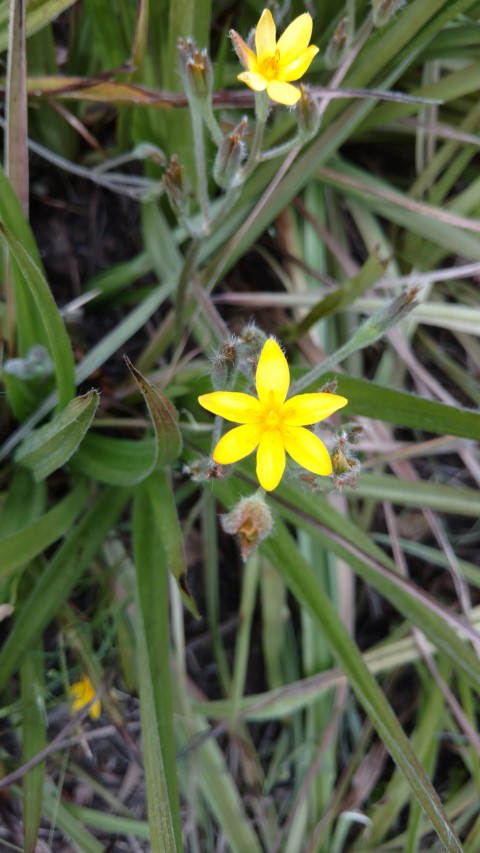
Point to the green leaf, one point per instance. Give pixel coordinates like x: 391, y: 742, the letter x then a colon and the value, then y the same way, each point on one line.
x: 19, y: 548
x: 372, y: 270
x: 301, y: 579
x: 59, y: 577
x: 165, y: 516
x: 396, y: 407
x: 443, y: 498
x: 43, y: 304
x: 39, y: 14
x: 51, y: 446
x: 58, y: 813
x: 153, y: 651
x: 164, y: 418
x: 34, y: 739
x: 120, y: 461
x: 115, y: 461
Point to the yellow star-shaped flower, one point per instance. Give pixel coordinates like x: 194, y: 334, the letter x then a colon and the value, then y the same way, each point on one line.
x: 81, y: 693
x: 276, y: 63
x: 272, y: 423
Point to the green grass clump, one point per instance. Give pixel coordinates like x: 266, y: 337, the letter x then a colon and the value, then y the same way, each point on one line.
x: 322, y: 695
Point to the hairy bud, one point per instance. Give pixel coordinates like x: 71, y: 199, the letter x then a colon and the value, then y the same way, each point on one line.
x: 196, y: 69
x: 250, y: 521
x: 384, y: 10
x: 307, y: 114
x: 229, y: 157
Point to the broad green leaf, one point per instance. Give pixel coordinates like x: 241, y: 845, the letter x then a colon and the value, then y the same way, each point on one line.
x: 30, y: 329
x: 42, y: 302
x: 164, y: 418
x: 59, y: 577
x: 51, y: 446
x: 115, y: 461
x: 153, y: 651
x: 164, y: 514
x: 19, y: 548
x: 120, y: 461
x: 24, y: 504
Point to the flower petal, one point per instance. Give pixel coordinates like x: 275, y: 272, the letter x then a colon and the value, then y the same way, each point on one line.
x: 255, y: 81
x: 296, y: 69
x: 273, y: 376
x: 307, y: 450
x: 237, y: 444
x: 270, y: 459
x: 245, y: 55
x: 283, y: 93
x: 307, y: 409
x: 295, y: 39
x: 236, y: 407
x: 265, y: 37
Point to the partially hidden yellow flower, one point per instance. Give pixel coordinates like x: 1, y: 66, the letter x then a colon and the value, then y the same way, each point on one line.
x: 272, y: 423
x: 276, y: 63
x: 81, y: 693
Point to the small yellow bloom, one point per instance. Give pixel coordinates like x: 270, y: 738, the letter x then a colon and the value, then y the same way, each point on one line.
x: 81, y: 693
x: 272, y: 423
x: 276, y: 63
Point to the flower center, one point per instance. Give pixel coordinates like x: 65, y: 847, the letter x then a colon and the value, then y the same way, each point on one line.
x: 269, y: 66
x: 272, y: 419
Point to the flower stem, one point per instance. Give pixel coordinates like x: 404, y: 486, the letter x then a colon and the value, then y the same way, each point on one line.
x: 279, y: 150
x: 205, y: 107
x: 261, y: 109
x: 200, y: 163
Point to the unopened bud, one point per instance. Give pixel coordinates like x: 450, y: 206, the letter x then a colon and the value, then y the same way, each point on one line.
x: 330, y: 387
x: 307, y: 113
x: 225, y: 364
x: 240, y: 46
x: 378, y: 324
x: 346, y: 466
x: 176, y: 188
x: 250, y: 521
x: 196, y: 69
x: 229, y: 157
x: 202, y: 470
x: 383, y: 11
x: 338, y: 45
x: 252, y: 337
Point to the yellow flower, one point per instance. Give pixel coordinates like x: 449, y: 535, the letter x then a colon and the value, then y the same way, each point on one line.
x: 276, y: 63
x: 272, y: 423
x: 81, y: 693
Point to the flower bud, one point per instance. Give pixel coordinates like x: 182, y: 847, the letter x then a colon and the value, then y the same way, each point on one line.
x: 338, y: 45
x: 196, y: 69
x: 225, y: 363
x: 230, y: 155
x: 307, y: 113
x: 239, y: 46
x: 383, y: 10
x: 202, y: 470
x: 346, y: 466
x: 250, y: 521
x: 176, y: 188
